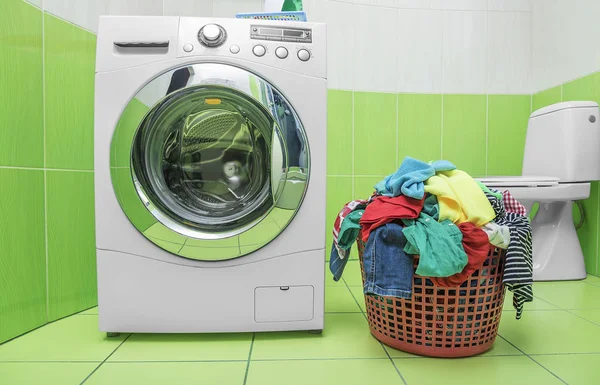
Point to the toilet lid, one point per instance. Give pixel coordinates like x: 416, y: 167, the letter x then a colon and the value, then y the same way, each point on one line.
x: 519, y: 181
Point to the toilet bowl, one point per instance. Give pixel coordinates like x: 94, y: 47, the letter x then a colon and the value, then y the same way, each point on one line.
x: 561, y: 158
x: 557, y: 253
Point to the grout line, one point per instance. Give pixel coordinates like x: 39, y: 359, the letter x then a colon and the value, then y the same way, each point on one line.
x: 393, y: 363
x: 397, y: 133
x: 532, y: 359
x: 487, y: 130
x: 43, y: 168
x: 106, y: 359
x: 249, y: 357
x: 561, y: 93
x: 597, y: 233
x: 578, y: 316
x: 442, y: 131
x: 353, y: 157
x: 44, y: 161
x: 380, y: 343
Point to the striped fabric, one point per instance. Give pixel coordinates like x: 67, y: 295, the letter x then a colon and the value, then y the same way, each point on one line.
x: 518, y: 271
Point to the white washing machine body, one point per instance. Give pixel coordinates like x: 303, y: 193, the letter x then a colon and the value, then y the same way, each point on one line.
x: 210, y: 174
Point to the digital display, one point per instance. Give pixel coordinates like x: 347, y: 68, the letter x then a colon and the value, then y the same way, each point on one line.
x: 293, y: 33
x: 270, y: 32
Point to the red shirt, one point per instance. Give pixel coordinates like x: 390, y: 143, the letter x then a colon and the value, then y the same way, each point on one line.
x: 385, y: 209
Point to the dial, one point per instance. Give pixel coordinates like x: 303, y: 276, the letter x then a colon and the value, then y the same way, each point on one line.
x: 212, y: 35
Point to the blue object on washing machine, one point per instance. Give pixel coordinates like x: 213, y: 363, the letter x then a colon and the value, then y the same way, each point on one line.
x: 282, y: 16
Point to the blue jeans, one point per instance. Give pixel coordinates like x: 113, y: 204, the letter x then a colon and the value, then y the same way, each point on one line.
x: 388, y: 269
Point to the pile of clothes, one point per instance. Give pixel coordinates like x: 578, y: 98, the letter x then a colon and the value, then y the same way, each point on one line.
x: 446, y: 218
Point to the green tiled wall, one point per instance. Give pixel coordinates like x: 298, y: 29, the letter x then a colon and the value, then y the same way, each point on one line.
x: 585, y: 88
x: 474, y: 131
x: 47, y: 250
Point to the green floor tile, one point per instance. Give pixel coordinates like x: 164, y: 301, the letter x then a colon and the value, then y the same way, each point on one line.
x: 44, y: 373
x: 357, y: 292
x: 352, y: 274
x: 551, y: 331
x: 592, y: 280
x: 172, y: 373
x: 590, y: 315
x: 475, y: 371
x: 537, y: 304
x: 577, y: 369
x: 329, y: 372
x: 500, y: 348
x: 338, y: 299
x: 92, y: 311
x: 345, y: 336
x: 569, y: 295
x: 75, y: 338
x: 184, y: 347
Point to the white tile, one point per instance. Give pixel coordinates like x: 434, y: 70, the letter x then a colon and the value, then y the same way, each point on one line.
x: 376, y: 37
x: 198, y: 8
x: 550, y: 39
x: 582, y: 28
x: 460, y: 5
x: 136, y: 7
x: 228, y: 8
x: 340, y: 43
x: 509, y: 53
x: 37, y: 3
x: 83, y: 13
x: 510, y: 5
x: 465, y: 52
x: 419, y: 51
x: 406, y: 4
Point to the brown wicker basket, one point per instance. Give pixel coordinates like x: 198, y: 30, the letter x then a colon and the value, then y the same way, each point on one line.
x: 440, y: 321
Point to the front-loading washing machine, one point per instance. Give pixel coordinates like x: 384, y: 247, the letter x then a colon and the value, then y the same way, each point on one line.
x: 210, y: 174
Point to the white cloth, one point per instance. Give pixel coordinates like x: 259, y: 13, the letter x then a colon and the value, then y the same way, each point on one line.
x: 499, y: 235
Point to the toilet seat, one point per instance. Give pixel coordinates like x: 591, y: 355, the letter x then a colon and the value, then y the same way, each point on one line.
x: 539, y: 189
x: 519, y: 181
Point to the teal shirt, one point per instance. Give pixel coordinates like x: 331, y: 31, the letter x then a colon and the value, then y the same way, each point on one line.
x: 349, y: 229
x: 438, y: 244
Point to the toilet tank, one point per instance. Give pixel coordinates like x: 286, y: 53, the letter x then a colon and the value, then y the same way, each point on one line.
x: 563, y: 141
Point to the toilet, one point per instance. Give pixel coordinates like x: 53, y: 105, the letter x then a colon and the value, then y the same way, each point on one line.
x: 562, y: 157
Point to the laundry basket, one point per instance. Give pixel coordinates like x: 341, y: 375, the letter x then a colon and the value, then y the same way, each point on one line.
x: 440, y: 321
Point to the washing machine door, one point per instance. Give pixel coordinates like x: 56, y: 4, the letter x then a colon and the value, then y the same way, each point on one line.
x: 210, y: 161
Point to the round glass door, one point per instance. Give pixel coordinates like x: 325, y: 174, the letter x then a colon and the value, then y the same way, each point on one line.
x: 209, y: 162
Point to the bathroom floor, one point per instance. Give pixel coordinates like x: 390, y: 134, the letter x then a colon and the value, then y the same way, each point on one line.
x: 556, y: 342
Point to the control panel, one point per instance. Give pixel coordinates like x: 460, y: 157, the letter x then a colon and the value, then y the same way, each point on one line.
x: 295, y: 46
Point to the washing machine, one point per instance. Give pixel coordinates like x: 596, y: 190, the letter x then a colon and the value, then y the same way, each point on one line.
x: 210, y: 174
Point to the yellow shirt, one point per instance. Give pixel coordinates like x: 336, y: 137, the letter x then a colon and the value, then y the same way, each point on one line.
x: 460, y: 198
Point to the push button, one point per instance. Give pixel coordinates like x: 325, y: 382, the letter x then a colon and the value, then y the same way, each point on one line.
x: 234, y: 49
x: 259, y: 50
x: 303, y: 55
x: 281, y: 52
